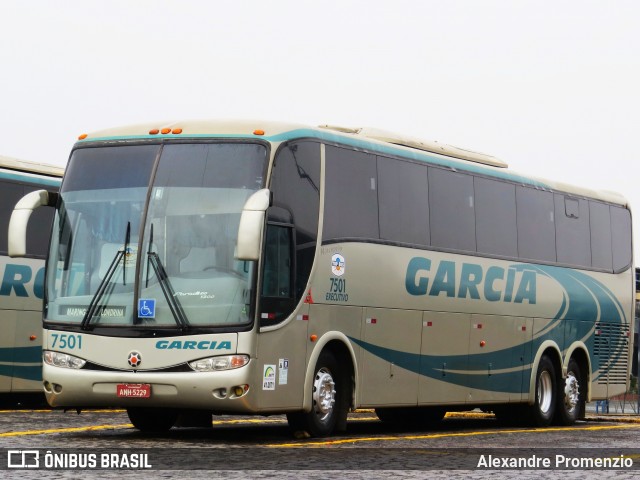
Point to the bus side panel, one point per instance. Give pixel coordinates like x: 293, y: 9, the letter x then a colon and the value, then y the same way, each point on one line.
x: 21, y: 318
x: 7, y: 347
x: 394, y: 382
x: 27, y: 369
x: 496, y: 357
x: 445, y: 359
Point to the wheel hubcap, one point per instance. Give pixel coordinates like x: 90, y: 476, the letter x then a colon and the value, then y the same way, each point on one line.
x: 571, y: 392
x: 324, y: 394
x: 545, y: 391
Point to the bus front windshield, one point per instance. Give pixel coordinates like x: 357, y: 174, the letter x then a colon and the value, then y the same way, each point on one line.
x: 145, y: 236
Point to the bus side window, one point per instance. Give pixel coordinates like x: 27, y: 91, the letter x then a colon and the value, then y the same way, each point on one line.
x: 277, y: 299
x: 276, y: 281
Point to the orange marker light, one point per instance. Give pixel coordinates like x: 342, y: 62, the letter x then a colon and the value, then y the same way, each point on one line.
x: 32, y: 337
x: 258, y: 132
x: 176, y: 131
x: 164, y: 131
x: 313, y: 338
x: 482, y: 343
x: 154, y: 131
x: 83, y: 136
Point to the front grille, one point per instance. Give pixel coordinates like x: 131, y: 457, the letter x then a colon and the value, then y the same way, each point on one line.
x: 183, y: 367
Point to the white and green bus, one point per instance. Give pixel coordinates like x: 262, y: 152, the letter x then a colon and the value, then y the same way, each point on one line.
x: 22, y: 282
x: 203, y: 268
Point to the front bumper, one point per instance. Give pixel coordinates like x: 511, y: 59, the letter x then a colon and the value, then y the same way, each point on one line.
x: 215, y: 391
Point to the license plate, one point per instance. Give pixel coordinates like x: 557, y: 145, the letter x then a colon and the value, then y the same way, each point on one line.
x: 137, y: 390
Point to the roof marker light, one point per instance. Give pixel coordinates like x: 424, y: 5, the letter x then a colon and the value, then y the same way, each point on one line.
x: 83, y: 136
x: 154, y: 131
x: 164, y: 131
x: 176, y: 131
x: 258, y: 132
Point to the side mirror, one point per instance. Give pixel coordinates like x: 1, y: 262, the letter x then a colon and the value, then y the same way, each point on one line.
x: 251, y: 225
x: 20, y: 219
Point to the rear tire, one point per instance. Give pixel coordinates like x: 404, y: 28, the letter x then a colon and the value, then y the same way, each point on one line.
x: 542, y: 411
x: 330, y: 394
x: 152, y: 420
x: 572, y: 396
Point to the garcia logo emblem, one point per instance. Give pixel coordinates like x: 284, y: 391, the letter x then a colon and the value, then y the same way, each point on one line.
x: 135, y: 359
x: 338, y: 265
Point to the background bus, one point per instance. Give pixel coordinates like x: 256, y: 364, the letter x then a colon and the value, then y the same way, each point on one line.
x: 22, y: 287
x: 209, y: 267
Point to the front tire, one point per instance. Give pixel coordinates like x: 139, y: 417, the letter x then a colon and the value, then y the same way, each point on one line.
x: 330, y: 399
x: 152, y: 420
x: 542, y: 411
x: 571, y: 398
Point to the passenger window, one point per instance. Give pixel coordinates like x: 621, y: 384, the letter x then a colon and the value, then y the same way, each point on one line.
x: 621, y: 225
x: 403, y: 190
x: 601, y: 241
x: 451, y: 203
x: 351, y: 196
x: 536, y: 224
x: 572, y: 231
x: 496, y: 225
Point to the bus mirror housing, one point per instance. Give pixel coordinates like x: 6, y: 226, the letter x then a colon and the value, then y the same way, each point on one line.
x: 20, y: 219
x: 251, y: 225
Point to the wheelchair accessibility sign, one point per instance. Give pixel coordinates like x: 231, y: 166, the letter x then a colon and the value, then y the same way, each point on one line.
x: 146, y: 308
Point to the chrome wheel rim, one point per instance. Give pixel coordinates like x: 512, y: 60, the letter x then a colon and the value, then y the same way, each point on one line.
x: 324, y: 394
x: 545, y: 392
x: 571, y: 392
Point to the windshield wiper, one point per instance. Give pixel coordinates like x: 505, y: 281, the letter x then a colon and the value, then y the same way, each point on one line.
x: 104, y: 283
x: 167, y: 289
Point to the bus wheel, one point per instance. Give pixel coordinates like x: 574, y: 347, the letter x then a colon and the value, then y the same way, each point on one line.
x: 572, y: 397
x: 153, y: 420
x: 542, y: 411
x: 330, y: 399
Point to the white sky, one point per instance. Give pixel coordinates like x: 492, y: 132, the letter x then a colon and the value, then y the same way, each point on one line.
x: 552, y: 87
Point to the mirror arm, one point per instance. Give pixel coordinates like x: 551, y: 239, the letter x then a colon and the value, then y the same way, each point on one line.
x: 20, y: 219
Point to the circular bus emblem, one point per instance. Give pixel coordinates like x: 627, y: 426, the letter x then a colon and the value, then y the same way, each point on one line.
x: 337, y: 265
x: 135, y: 359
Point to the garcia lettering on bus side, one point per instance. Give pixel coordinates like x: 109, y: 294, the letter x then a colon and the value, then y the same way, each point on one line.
x: 471, y: 281
x: 16, y: 278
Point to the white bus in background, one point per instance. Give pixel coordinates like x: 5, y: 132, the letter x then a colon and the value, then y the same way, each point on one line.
x: 265, y: 268
x: 22, y: 281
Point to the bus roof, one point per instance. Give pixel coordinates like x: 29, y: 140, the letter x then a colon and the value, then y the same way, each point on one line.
x: 365, y: 138
x: 10, y: 163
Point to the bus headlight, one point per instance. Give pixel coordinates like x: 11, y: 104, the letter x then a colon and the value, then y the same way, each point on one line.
x: 213, y: 364
x: 62, y: 360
